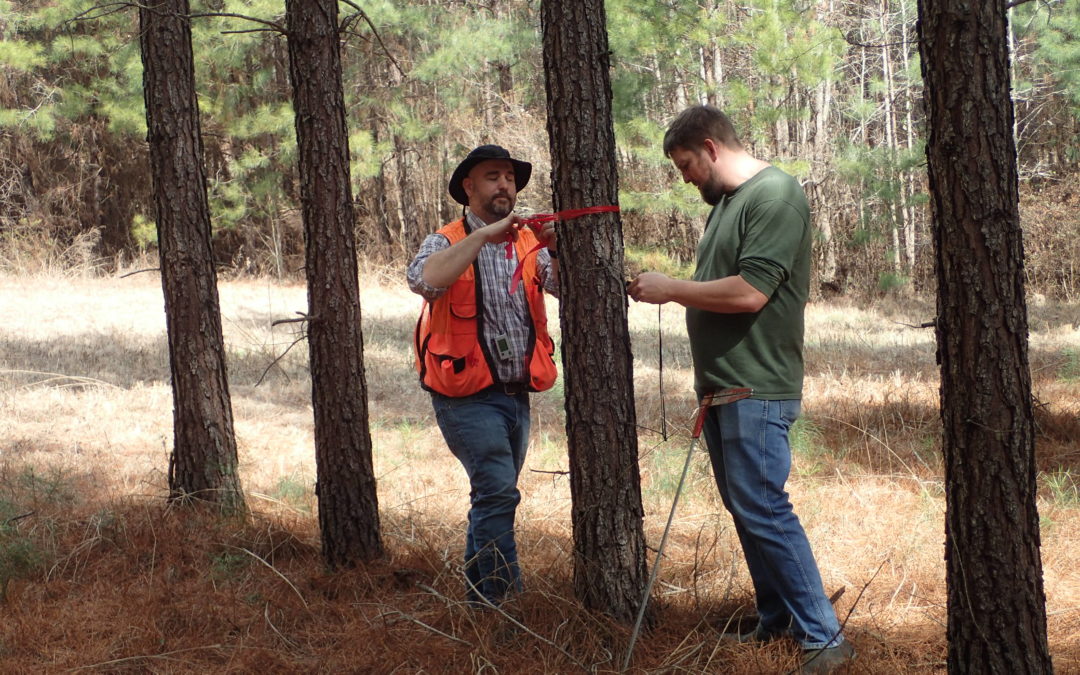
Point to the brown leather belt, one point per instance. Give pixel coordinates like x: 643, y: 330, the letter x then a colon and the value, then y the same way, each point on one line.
x: 722, y: 396
x: 719, y: 397
x: 509, y: 388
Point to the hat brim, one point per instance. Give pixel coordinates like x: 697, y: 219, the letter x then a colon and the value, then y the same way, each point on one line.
x: 522, y: 174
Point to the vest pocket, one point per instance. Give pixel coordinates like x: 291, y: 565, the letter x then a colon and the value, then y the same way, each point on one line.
x: 455, y: 365
x: 542, y: 371
x: 465, y: 311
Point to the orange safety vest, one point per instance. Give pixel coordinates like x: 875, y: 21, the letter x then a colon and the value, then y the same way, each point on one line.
x: 451, y: 356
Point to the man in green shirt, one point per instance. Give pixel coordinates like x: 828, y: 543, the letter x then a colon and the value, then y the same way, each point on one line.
x: 744, y: 317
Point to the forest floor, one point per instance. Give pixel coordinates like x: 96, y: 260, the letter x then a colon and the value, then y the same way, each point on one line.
x: 98, y: 574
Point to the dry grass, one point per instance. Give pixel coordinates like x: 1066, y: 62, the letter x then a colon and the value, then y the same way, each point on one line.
x: 99, y: 575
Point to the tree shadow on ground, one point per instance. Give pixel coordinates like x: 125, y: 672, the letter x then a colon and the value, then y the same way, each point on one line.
x: 258, y: 592
x: 904, y: 436
x: 893, y: 426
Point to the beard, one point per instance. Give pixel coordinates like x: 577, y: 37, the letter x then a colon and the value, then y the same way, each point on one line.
x: 711, y: 191
x: 500, y: 206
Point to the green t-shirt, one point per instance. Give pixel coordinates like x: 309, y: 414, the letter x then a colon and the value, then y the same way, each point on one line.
x: 760, y: 231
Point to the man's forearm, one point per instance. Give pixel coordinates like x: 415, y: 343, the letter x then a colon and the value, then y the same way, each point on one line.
x: 444, y: 268
x: 730, y: 295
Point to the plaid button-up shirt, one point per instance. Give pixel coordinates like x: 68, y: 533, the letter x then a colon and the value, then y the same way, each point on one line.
x: 504, y: 314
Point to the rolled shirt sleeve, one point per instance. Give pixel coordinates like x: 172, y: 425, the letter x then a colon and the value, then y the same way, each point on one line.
x: 770, y: 246
x: 432, y: 244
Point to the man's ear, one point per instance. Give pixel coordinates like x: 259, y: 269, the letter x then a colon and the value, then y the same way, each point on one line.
x: 467, y: 186
x: 711, y: 149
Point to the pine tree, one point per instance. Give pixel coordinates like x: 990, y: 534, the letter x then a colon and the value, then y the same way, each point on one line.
x: 993, y: 568
x: 348, y: 503
x: 609, y: 545
x: 203, y: 464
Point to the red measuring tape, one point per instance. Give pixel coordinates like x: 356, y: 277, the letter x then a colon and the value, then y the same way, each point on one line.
x: 539, y: 219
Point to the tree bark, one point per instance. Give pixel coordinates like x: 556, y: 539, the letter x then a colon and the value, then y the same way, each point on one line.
x: 996, y: 605
x: 348, y: 505
x: 203, y: 464
x: 908, y: 186
x: 821, y: 162
x: 609, y: 545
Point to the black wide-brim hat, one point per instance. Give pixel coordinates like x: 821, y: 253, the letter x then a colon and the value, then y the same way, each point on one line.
x: 522, y: 170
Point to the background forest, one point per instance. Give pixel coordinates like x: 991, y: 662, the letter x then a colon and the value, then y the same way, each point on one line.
x: 829, y: 90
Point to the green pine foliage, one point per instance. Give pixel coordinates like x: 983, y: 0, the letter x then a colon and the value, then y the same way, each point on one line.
x: 831, y: 93
x: 1055, y: 25
x: 1049, y: 37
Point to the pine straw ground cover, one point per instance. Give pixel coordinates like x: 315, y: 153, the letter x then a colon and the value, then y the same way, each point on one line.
x: 97, y: 574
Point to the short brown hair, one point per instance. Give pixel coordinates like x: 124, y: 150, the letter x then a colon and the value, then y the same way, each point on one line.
x: 693, y: 125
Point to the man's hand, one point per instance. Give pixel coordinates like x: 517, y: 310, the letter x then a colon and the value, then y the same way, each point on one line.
x: 547, y: 236
x: 444, y: 267
x: 729, y: 295
x: 501, y: 230
x: 651, y: 287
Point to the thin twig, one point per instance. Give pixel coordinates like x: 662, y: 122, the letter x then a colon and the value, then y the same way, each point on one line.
x: 490, y: 605
x: 378, y: 37
x: 266, y: 615
x: 145, y: 656
x: 691, y: 649
x: 925, y: 324
x: 843, y: 624
x: 283, y: 577
x: 112, y: 7
x: 130, y: 274
x: 250, y: 30
x: 430, y: 628
x: 835, y: 597
x: 276, y: 360
x: 1067, y: 610
x: 276, y: 27
x: 303, y: 318
x: 259, y: 495
x: 882, y: 444
x: 658, y: 432
x: 158, y: 269
x: 881, y: 45
x: 13, y: 519
x: 75, y: 380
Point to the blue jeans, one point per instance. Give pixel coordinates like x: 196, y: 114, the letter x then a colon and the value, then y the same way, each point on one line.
x: 751, y: 459
x: 488, y: 432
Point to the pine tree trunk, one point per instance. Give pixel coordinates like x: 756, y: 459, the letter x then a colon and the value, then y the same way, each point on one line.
x: 609, y: 546
x: 203, y: 464
x: 910, y: 189
x: 892, y: 206
x: 821, y: 165
x: 996, y: 606
x: 411, y: 236
x: 348, y: 505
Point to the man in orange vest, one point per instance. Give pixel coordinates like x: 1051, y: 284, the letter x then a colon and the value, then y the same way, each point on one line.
x: 480, y: 350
